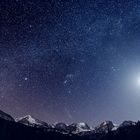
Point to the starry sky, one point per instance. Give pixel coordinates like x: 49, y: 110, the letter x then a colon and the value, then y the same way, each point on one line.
x: 70, y: 60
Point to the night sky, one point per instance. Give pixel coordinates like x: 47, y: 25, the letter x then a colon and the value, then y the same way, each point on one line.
x: 70, y: 60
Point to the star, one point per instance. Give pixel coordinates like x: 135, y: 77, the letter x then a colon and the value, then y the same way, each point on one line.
x: 70, y: 54
x: 26, y: 78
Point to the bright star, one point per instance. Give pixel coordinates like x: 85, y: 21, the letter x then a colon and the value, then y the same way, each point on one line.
x: 25, y: 78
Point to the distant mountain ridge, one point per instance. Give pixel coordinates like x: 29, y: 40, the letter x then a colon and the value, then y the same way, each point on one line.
x: 28, y: 127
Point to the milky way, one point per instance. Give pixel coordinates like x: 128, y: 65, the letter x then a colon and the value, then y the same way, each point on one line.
x: 70, y: 61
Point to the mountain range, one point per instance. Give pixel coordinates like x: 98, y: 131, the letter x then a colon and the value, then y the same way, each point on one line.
x: 30, y: 128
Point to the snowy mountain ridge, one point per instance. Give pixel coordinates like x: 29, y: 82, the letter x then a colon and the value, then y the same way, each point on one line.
x: 74, y: 128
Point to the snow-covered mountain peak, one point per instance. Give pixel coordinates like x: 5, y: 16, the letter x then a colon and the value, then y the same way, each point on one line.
x: 79, y: 127
x: 127, y: 123
x: 27, y: 117
x: 106, y: 126
x: 83, y: 126
x: 106, y: 123
x: 31, y: 121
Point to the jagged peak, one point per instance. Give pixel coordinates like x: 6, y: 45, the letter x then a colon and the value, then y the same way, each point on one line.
x: 27, y: 117
x: 32, y: 121
x: 127, y: 123
x: 106, y: 126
